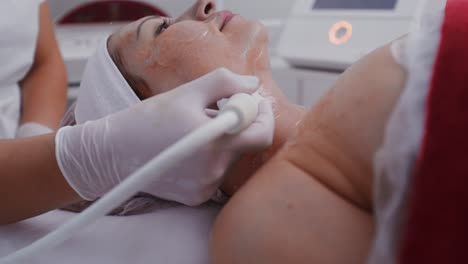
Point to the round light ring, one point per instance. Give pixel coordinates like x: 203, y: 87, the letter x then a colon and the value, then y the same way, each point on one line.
x: 340, y: 32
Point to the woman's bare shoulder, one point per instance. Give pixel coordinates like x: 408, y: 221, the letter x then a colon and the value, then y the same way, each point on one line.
x: 346, y: 127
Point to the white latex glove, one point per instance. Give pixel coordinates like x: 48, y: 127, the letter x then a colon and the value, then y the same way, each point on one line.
x: 98, y: 155
x: 32, y: 129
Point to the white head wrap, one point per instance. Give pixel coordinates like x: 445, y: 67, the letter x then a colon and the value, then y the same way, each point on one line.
x: 103, y: 89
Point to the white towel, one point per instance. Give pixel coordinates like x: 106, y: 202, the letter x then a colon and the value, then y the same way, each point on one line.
x: 103, y: 89
x: 395, y: 160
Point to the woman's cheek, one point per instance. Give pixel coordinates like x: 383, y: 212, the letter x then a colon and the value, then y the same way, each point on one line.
x: 187, y: 61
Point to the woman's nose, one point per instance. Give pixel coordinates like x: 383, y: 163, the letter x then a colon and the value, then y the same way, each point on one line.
x: 201, y: 10
x: 204, y: 8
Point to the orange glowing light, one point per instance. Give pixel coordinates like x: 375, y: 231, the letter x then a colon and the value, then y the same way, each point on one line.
x: 334, y: 34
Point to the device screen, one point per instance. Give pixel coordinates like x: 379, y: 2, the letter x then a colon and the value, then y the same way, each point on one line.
x: 355, y: 4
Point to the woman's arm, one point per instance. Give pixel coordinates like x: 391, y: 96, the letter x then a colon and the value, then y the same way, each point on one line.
x: 285, y: 215
x: 44, y: 89
x: 31, y: 182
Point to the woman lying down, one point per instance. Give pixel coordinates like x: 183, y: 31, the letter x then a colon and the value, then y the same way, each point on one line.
x: 154, y: 55
x: 313, y: 201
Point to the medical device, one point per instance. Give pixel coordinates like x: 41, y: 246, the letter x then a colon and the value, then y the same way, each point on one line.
x: 332, y: 34
x: 239, y: 112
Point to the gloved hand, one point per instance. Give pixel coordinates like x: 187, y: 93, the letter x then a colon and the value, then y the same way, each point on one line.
x: 98, y: 155
x: 32, y: 129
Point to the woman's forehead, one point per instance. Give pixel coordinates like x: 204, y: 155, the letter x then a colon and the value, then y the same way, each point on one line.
x: 126, y: 36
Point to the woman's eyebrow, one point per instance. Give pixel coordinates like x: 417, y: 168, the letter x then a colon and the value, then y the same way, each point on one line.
x: 141, y: 24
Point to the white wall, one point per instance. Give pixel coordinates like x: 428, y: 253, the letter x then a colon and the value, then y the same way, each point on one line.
x: 260, y: 9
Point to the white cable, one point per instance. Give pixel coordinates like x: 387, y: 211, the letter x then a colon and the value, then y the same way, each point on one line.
x: 237, y: 114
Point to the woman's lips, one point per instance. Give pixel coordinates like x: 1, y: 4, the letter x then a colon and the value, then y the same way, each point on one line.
x: 226, y: 17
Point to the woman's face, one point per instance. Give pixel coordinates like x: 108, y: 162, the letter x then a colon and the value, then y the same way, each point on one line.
x: 164, y: 53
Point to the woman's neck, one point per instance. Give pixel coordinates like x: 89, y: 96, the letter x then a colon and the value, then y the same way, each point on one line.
x: 287, y: 117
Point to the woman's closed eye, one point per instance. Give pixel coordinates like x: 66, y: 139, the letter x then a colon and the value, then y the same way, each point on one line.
x: 163, y: 26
